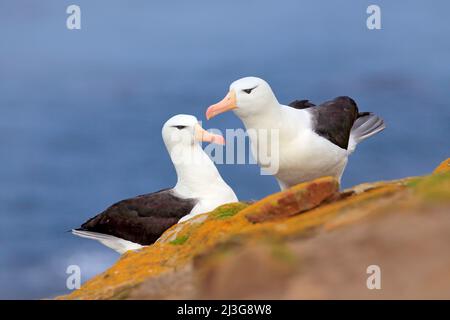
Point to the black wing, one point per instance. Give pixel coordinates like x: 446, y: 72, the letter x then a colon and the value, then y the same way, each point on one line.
x: 141, y: 219
x: 334, y: 119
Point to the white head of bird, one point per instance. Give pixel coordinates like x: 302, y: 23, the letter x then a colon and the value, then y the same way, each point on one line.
x: 247, y: 97
x: 182, y: 135
x: 184, y: 130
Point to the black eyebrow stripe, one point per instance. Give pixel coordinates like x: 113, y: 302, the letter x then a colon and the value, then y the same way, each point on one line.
x: 250, y: 89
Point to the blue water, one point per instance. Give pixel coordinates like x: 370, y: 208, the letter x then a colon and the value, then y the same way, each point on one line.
x: 81, y: 111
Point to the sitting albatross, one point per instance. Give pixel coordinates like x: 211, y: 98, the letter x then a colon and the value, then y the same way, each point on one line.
x: 313, y: 141
x: 139, y: 221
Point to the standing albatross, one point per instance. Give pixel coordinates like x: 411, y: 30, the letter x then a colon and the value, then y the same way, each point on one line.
x: 313, y: 141
x: 139, y: 221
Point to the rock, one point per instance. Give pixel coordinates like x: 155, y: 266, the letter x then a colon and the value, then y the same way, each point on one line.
x: 409, y: 247
x: 295, y: 200
x: 234, y: 276
x: 267, y: 250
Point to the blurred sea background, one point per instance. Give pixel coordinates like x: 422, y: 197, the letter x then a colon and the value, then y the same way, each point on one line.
x: 81, y: 110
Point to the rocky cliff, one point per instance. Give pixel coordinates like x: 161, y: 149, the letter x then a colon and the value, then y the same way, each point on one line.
x: 311, y: 241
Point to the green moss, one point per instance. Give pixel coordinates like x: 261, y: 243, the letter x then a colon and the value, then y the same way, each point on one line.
x: 433, y: 187
x: 180, y: 240
x: 228, y: 210
x: 413, y: 182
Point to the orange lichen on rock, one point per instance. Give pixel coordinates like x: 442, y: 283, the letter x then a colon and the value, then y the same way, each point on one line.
x: 443, y: 167
x: 299, y: 212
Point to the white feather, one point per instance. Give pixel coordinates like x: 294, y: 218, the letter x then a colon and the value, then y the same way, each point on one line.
x: 363, y: 128
x: 117, y: 244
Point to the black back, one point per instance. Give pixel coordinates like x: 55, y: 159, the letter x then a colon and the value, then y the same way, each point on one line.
x: 141, y: 219
x: 301, y: 104
x: 333, y: 120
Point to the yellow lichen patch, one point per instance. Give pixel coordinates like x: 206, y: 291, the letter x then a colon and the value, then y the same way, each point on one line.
x: 184, y: 229
x: 131, y: 269
x: 443, y: 167
x: 435, y: 187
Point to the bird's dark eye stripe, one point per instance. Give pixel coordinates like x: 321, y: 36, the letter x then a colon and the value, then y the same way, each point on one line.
x: 180, y: 127
x: 248, y: 91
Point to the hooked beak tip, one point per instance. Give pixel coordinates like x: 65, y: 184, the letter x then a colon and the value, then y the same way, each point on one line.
x: 210, y: 113
x: 205, y: 136
x: 226, y: 104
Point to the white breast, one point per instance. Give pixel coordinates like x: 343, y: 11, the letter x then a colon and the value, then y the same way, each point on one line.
x: 303, y: 155
x: 213, y: 195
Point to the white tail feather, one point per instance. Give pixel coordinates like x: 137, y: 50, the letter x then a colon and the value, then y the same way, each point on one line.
x: 117, y: 244
x: 363, y: 128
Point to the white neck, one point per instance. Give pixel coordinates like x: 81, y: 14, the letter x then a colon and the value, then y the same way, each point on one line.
x: 195, y: 170
x: 269, y: 119
x: 289, y: 121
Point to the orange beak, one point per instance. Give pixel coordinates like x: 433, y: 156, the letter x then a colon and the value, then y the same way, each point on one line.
x: 228, y: 103
x: 203, y: 135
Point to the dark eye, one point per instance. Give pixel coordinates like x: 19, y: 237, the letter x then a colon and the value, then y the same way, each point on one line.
x: 180, y: 127
x: 248, y: 91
